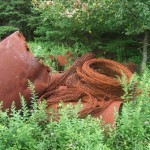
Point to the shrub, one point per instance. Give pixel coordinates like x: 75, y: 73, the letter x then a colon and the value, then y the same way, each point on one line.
x: 6, y: 30
x: 133, y: 126
x: 34, y: 129
x: 123, y: 50
x: 74, y: 133
x: 35, y: 132
x: 42, y: 51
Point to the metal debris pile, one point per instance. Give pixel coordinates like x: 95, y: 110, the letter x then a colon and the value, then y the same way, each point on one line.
x: 92, y: 81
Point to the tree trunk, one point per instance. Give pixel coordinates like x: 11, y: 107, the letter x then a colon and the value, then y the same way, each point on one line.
x: 145, y: 47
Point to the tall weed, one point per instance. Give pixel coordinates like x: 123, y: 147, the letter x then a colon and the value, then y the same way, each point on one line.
x: 34, y: 129
x: 23, y: 131
x: 42, y: 51
x: 133, y: 126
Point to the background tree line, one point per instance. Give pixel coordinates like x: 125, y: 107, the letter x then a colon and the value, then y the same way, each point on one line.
x: 111, y: 28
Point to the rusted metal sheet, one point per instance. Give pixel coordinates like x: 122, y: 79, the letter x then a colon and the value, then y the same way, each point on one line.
x: 17, y: 66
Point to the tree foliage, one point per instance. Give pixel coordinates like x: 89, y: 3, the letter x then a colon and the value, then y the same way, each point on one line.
x: 93, y: 23
x: 87, y: 21
x: 133, y: 15
x: 17, y: 14
x: 74, y: 20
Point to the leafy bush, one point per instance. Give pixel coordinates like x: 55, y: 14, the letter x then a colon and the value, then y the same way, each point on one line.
x: 24, y: 132
x: 42, y: 51
x: 125, y: 50
x: 73, y: 21
x: 34, y: 129
x: 88, y: 22
x: 39, y: 131
x: 19, y: 14
x: 74, y: 133
x: 6, y: 30
x: 133, y: 129
x: 133, y: 126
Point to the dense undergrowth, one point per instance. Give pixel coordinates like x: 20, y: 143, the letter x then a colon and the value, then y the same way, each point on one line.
x: 42, y: 51
x: 29, y: 129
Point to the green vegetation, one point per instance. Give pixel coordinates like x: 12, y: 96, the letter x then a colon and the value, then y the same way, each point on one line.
x: 18, y: 14
x: 94, y: 23
x: 112, y: 29
x: 6, y: 30
x: 42, y: 51
x: 35, y: 129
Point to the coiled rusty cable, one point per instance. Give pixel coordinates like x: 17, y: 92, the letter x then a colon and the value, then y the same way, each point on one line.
x: 93, y: 81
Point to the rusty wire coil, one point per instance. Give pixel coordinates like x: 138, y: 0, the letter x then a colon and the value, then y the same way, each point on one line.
x: 93, y: 81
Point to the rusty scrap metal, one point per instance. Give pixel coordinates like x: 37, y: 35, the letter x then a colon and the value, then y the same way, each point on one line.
x: 17, y: 66
x: 92, y: 81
